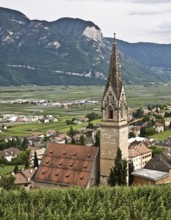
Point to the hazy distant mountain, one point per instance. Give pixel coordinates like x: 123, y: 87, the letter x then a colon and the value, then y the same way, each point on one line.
x: 71, y: 51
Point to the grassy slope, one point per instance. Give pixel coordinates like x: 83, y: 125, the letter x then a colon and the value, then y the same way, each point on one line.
x: 161, y: 136
x: 7, y: 169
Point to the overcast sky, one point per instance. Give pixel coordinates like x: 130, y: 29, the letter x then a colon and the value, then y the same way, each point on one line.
x: 132, y: 20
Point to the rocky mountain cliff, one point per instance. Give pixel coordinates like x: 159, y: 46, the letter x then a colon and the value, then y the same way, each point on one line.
x: 70, y: 51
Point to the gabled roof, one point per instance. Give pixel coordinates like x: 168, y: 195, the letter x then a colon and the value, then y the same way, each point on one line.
x: 138, y: 150
x: 133, y: 153
x: 65, y: 164
x: 10, y: 152
x: 158, y: 163
x: 24, y: 176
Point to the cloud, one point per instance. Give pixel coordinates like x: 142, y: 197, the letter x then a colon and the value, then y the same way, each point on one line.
x: 131, y: 1
x: 149, y: 12
x: 148, y: 1
x: 164, y: 28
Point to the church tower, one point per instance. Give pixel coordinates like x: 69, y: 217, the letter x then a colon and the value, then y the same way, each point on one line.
x: 114, y: 126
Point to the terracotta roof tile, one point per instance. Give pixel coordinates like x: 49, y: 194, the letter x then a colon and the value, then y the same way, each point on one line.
x: 65, y: 164
x: 138, y: 150
x: 24, y: 176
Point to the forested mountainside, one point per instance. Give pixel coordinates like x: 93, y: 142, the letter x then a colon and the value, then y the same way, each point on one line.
x: 71, y: 52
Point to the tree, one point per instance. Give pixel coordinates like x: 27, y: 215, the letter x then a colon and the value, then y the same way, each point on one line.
x: 90, y: 125
x: 73, y: 141
x: 139, y: 113
x: 132, y: 135
x: 156, y: 150
x: 7, y: 182
x: 167, y: 114
x: 92, y: 116
x: 26, y: 164
x: 147, y: 131
x: 149, y: 108
x: 82, y: 140
x: 36, y: 161
x: 118, y: 173
x: 15, y: 170
x: 146, y: 118
x: 24, y: 143
x: 97, y: 139
x: 71, y: 132
x: 130, y: 170
x: 22, y: 158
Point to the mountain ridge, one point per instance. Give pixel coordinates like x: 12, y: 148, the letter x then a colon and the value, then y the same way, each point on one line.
x: 69, y: 51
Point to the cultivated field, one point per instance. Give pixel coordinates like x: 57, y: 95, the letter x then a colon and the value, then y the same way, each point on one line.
x: 137, y: 95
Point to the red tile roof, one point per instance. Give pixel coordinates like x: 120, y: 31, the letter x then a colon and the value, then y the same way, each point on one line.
x: 138, y: 150
x: 65, y: 164
x: 24, y: 176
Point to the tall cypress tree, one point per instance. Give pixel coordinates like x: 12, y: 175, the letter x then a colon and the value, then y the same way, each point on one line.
x: 97, y: 139
x: 36, y: 162
x: 130, y: 170
x: 118, y: 172
x: 82, y: 140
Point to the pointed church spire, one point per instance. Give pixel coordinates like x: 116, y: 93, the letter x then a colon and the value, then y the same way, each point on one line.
x: 114, y: 77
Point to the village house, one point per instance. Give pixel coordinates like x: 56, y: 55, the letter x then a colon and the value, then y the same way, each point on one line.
x: 139, y: 155
x: 23, y: 178
x: 50, y: 133
x: 159, y: 127
x: 156, y: 171
x: 40, y: 152
x: 167, y: 121
x: 136, y: 130
x: 61, y: 138
x: 151, y: 177
x: 10, y: 153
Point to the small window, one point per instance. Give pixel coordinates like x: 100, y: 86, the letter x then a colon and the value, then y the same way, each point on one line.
x: 110, y: 114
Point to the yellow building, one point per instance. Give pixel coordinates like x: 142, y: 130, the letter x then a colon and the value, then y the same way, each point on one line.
x: 152, y: 177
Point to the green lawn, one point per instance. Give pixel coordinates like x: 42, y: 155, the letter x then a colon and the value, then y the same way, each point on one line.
x: 161, y: 136
x: 7, y: 169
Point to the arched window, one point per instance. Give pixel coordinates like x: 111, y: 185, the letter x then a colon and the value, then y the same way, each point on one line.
x: 110, y: 111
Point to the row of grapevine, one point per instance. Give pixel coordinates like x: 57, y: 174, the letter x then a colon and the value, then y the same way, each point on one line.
x: 103, y: 203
